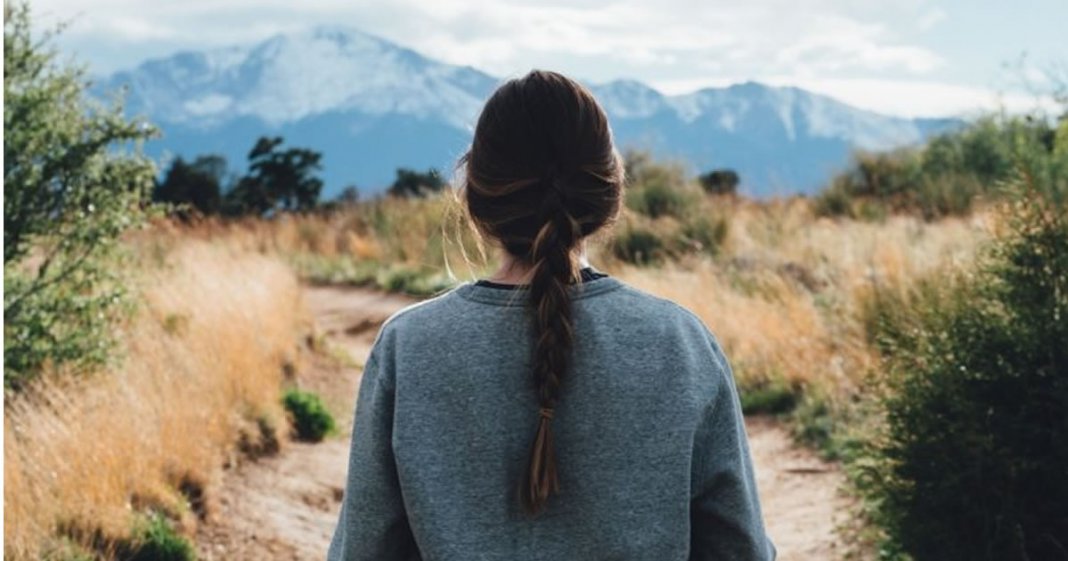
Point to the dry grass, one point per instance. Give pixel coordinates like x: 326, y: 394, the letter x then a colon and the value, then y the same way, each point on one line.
x: 203, y: 364
x: 784, y: 297
x: 783, y: 293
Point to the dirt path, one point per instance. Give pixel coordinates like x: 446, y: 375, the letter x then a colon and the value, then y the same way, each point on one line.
x: 285, y: 507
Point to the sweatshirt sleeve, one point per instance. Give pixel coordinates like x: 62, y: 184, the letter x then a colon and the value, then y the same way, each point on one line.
x: 725, y: 515
x: 372, y: 523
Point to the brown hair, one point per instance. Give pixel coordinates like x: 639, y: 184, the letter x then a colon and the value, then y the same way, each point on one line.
x: 541, y: 175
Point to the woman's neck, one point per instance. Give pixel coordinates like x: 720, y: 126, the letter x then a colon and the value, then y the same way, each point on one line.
x: 514, y: 271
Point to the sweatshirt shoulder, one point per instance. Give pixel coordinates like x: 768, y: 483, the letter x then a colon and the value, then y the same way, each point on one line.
x: 422, y: 311
x: 422, y: 314
x: 663, y: 308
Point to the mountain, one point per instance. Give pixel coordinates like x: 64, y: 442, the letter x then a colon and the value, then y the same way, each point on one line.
x: 371, y: 106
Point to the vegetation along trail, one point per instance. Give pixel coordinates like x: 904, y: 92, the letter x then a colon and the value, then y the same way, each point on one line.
x: 285, y: 507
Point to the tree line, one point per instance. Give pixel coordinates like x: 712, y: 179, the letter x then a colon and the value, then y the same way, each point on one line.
x: 278, y: 179
x: 282, y: 178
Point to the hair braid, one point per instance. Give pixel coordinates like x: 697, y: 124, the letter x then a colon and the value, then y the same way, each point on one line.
x: 553, y: 270
x: 541, y: 175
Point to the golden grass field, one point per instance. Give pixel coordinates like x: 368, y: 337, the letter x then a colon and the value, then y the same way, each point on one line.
x: 203, y: 365
x: 784, y: 293
x: 220, y: 323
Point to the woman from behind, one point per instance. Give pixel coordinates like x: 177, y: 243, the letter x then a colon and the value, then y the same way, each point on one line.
x: 550, y: 411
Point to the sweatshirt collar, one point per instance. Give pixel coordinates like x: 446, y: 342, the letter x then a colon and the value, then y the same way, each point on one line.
x: 518, y: 296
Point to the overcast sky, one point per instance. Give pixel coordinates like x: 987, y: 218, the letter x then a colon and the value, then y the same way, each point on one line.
x: 905, y: 57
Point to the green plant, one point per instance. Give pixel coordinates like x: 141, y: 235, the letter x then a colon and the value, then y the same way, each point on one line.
x: 704, y: 234
x: 638, y: 246
x: 947, y: 175
x: 976, y: 427
x: 833, y: 201
x: 719, y: 182
x: 311, y: 420
x: 71, y: 189
x: 773, y: 398
x: 156, y: 540
x: 411, y: 183
x: 657, y: 199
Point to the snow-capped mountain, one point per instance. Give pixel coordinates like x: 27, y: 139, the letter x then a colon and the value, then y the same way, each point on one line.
x: 371, y: 106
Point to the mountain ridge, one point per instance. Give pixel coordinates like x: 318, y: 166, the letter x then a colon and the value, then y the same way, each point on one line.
x: 371, y: 106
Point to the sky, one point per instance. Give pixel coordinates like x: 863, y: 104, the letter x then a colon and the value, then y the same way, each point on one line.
x: 900, y: 57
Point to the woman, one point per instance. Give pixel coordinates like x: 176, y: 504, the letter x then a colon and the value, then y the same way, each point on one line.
x: 550, y: 411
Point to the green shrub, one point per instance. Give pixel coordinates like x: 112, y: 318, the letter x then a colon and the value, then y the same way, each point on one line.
x: 311, y: 420
x: 658, y: 199
x: 947, y: 195
x: 638, y: 246
x: 156, y: 540
x: 833, y: 201
x: 770, y: 398
x: 838, y: 426
x: 973, y: 461
x: 719, y: 182
x: 642, y: 169
x: 947, y: 175
x: 341, y: 269
x: 704, y: 234
x: 71, y: 189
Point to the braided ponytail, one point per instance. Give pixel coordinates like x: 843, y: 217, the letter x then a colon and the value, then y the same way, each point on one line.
x: 553, y: 270
x: 541, y: 175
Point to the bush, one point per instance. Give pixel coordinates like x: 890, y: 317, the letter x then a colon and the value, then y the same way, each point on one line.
x: 411, y: 183
x: 834, y: 201
x: 658, y: 199
x: 638, y: 246
x: 311, y: 421
x: 158, y: 541
x: 947, y: 175
x: 769, y: 398
x: 719, y: 182
x: 71, y: 189
x: 705, y: 234
x: 973, y: 463
x: 412, y: 281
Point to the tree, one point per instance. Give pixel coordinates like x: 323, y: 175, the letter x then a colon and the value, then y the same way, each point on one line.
x: 72, y: 186
x: 276, y: 180
x: 411, y: 183
x: 350, y: 195
x: 720, y: 182
x: 196, y: 185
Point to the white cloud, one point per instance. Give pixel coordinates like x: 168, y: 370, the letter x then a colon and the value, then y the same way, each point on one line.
x: 931, y: 18
x: 852, y: 44
x: 138, y: 29
x: 834, y: 44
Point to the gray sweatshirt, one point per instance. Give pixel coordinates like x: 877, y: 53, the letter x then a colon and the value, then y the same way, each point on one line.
x: 651, y: 446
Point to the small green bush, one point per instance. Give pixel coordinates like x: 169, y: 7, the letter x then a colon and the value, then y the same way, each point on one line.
x: 343, y: 269
x: 834, y: 201
x: 156, y: 540
x: 771, y: 398
x: 658, y: 199
x: 638, y: 246
x: 719, y: 182
x: 704, y: 234
x: 311, y: 420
